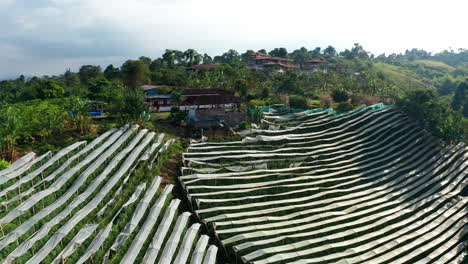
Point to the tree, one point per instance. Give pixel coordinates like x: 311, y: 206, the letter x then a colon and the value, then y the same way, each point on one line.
x: 460, y: 99
x: 231, y: 57
x: 192, y: 57
x: 298, y: 102
x: 79, y: 115
x: 207, y: 59
x: 135, y: 73
x: 329, y: 51
x: 156, y: 65
x: 11, y: 125
x: 87, y: 72
x: 340, y: 96
x: 50, y: 89
x: 433, y: 114
x: 111, y: 72
x: 289, y: 83
x: 240, y: 87
x: 145, y: 60
x: 279, y: 52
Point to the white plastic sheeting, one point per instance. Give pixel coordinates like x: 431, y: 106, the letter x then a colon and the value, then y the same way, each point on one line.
x: 19, y: 163
x: 70, y: 192
x: 138, y: 214
x: 173, y: 241
x: 159, y: 237
x: 95, y: 244
x: 65, y: 165
x: 81, y: 237
x: 82, y: 213
x: 146, y: 228
x: 18, y: 172
x: 200, y: 248
x: 23, y: 228
x: 210, y: 257
x: 62, y: 153
x: 187, y: 244
x: 361, y: 179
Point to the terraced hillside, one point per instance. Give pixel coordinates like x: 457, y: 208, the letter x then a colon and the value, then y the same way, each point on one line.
x: 97, y: 202
x: 367, y: 186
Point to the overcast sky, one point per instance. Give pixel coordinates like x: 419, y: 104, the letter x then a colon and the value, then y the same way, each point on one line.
x: 40, y: 37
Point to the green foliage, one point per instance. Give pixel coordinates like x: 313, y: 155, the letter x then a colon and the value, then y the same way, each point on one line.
x: 4, y: 164
x: 88, y: 72
x: 432, y: 114
x: 460, y: 99
x: 340, y: 96
x: 135, y: 73
x: 344, y: 107
x: 298, y: 102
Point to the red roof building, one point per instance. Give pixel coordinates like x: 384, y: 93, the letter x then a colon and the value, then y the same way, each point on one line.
x: 258, y: 60
x: 201, y: 67
x: 313, y: 65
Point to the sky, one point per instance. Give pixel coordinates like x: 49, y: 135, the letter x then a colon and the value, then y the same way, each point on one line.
x: 46, y: 37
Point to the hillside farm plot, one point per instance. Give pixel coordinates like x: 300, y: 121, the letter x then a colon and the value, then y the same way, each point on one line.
x: 367, y: 186
x: 97, y: 202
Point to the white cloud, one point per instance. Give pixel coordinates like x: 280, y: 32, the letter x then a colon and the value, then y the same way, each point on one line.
x: 84, y: 29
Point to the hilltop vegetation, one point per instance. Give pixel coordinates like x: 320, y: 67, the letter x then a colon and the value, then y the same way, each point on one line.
x: 37, y: 110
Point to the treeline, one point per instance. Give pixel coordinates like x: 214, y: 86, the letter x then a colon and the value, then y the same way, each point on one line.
x: 62, y: 99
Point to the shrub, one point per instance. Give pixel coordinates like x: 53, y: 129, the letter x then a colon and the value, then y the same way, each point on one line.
x: 297, y: 101
x: 244, y: 125
x: 344, y: 107
x: 4, y: 164
x: 340, y: 96
x: 326, y: 101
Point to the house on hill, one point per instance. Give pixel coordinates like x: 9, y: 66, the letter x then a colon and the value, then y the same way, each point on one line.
x: 258, y: 60
x: 200, y: 67
x: 159, y: 100
x: 313, y: 65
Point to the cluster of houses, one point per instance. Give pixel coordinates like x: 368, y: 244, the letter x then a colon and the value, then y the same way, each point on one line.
x: 263, y: 61
x: 216, y: 108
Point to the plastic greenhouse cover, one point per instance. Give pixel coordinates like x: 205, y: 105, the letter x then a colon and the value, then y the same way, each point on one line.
x: 265, y: 210
x: 339, y: 154
x: 187, y: 244
x: 173, y: 241
x: 81, y: 237
x: 331, y: 207
x: 83, y: 212
x: 156, y: 244
x: 148, y: 225
x: 361, y: 118
x: 278, y: 231
x: 95, y: 244
x: 381, y: 191
x: 355, y: 153
x: 64, y: 166
x: 200, y: 248
x: 438, y: 253
x: 137, y: 214
x: 35, y: 198
x: 62, y: 153
x: 322, y: 177
x: 104, y: 233
x: 434, y: 229
x: 210, y: 257
x: 289, y: 186
x: 152, y: 148
x: 309, y: 170
x: 420, y: 228
x: 332, y: 190
x: 402, y: 210
x: 19, y: 163
x: 332, y: 130
x: 257, y: 154
x: 16, y: 173
x: 12, y: 236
